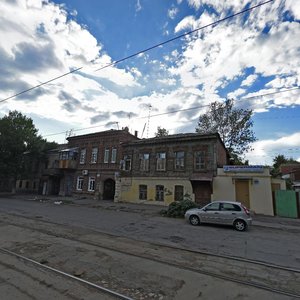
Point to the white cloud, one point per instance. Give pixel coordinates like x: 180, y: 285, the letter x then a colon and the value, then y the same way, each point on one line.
x: 249, y: 80
x: 138, y: 6
x: 187, y: 23
x: 265, y: 150
x: 194, y: 3
x: 172, y: 12
x: 236, y: 93
x: 293, y: 7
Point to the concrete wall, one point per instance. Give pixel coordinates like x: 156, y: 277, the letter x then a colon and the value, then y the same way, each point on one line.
x: 260, y: 192
x: 128, y: 189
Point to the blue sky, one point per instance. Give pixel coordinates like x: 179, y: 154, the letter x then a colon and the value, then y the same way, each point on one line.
x: 250, y: 55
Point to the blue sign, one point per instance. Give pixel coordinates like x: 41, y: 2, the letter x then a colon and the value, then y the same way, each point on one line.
x: 244, y: 169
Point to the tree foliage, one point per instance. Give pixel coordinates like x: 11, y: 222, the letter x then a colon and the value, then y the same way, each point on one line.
x: 20, y: 146
x: 278, y: 161
x: 233, y: 124
x: 161, y: 132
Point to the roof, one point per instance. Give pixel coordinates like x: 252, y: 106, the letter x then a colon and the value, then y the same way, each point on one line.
x: 289, y: 168
x: 174, y: 138
x: 101, y: 133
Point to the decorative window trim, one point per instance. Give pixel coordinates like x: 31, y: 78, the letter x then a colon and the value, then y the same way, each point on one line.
x: 79, y: 184
x: 161, y: 159
x: 113, y: 155
x: 82, y: 156
x: 92, y: 184
x: 179, y: 163
x: 143, y: 192
x: 106, y: 156
x: 94, y: 155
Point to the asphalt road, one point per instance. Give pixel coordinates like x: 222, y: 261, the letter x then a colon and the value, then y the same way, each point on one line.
x: 260, y: 243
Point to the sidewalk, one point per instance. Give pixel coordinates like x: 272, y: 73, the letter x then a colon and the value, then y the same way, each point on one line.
x: 275, y: 222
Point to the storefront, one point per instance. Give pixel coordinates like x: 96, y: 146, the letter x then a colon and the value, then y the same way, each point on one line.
x: 250, y: 185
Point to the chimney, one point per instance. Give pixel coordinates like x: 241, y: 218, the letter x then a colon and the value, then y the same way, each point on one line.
x: 136, y: 133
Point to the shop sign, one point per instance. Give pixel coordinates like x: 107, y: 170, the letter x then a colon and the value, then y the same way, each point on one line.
x: 244, y: 169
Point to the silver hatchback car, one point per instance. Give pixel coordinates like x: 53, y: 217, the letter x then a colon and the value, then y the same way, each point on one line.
x: 221, y: 212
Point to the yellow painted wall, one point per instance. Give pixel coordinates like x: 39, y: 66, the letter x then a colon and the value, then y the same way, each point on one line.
x: 129, y: 190
x: 260, y: 191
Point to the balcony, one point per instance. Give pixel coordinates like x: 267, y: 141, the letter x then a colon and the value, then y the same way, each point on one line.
x: 67, y: 164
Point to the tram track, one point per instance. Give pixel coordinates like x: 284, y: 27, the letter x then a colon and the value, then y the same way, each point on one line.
x: 256, y: 274
x: 65, y: 290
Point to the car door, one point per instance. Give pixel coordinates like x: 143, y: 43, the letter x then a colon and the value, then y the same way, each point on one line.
x: 211, y: 213
x: 228, y: 213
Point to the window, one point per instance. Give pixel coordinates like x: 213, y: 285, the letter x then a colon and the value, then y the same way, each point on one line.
x: 113, y: 155
x: 94, y: 155
x: 178, y: 195
x: 230, y: 207
x: 179, y: 160
x: 91, y: 186
x: 161, y: 161
x: 143, y: 192
x: 127, y: 162
x: 144, y: 162
x: 82, y: 156
x: 20, y: 183
x: 199, y: 160
x: 79, y: 183
x: 213, y: 206
x: 106, y: 156
x: 159, y: 193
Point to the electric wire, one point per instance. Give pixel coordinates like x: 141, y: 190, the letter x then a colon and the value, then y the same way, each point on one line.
x: 185, y: 109
x: 141, y: 51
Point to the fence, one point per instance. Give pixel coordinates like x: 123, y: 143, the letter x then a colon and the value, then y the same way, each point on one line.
x: 286, y: 203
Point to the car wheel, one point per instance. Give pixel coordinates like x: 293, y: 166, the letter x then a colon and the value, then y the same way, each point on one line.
x: 194, y: 220
x: 240, y: 225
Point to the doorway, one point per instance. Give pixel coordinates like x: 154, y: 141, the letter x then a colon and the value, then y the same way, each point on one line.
x: 242, y: 192
x: 202, y: 191
x: 109, y: 189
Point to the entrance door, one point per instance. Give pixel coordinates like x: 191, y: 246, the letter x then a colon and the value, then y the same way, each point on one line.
x: 242, y: 192
x: 202, y: 191
x: 109, y: 189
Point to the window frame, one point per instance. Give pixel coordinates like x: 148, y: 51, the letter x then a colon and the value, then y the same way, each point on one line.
x: 179, y: 163
x: 106, y: 156
x: 82, y: 156
x: 199, y: 160
x: 113, y: 155
x: 144, y: 162
x: 92, y: 181
x: 143, y: 192
x: 79, y: 183
x: 94, y: 155
x: 176, y: 192
x: 161, y: 162
x: 159, y: 193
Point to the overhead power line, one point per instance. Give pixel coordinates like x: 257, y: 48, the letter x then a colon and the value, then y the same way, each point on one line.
x: 140, y: 52
x: 185, y: 109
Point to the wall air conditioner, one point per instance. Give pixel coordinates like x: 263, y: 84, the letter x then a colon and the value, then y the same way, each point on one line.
x: 85, y: 172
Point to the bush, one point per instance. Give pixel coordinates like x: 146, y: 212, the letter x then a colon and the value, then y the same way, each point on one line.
x: 177, y: 209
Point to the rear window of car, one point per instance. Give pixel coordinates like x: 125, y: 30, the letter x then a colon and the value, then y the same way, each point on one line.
x: 230, y: 207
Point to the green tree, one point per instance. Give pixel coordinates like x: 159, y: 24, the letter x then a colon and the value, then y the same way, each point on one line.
x: 278, y: 161
x: 21, y: 148
x: 233, y: 124
x: 161, y: 132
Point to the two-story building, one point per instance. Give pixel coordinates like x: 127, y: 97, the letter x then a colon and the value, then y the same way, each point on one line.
x: 165, y: 169
x: 91, y: 163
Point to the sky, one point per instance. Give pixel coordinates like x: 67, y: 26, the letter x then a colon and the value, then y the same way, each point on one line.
x: 243, y: 58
